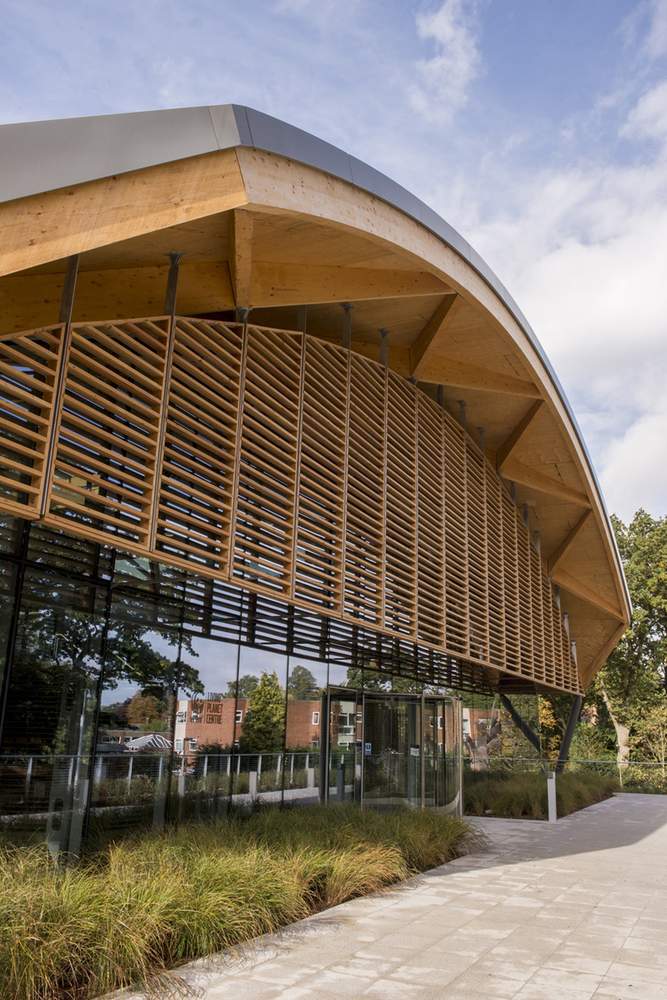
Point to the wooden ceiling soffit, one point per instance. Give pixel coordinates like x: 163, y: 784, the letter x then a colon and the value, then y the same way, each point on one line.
x: 564, y: 547
x: 461, y: 375
x: 435, y: 326
x: 297, y: 284
x: 574, y: 586
x: 519, y: 472
x: 510, y: 443
x: 240, y: 257
x: 60, y: 223
x: 32, y: 300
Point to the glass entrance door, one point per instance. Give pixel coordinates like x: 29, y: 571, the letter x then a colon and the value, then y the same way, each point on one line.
x: 386, y: 749
x: 392, y: 751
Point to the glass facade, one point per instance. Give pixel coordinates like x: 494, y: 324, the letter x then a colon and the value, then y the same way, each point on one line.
x: 135, y: 695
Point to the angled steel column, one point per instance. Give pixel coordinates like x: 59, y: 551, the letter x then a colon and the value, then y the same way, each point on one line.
x: 521, y: 724
x: 564, y: 753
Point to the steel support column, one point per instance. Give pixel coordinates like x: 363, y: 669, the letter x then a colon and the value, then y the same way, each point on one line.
x: 521, y: 724
x: 564, y: 753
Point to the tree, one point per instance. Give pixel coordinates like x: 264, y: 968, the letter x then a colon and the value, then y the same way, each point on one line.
x: 650, y: 733
x: 146, y: 711
x: 265, y: 717
x: 633, y: 678
x: 301, y: 684
x: 245, y: 687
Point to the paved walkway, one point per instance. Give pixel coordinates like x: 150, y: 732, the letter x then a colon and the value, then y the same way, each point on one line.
x: 573, y: 910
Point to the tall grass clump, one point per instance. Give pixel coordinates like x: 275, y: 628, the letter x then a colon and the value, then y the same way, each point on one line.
x: 148, y: 904
x: 523, y: 794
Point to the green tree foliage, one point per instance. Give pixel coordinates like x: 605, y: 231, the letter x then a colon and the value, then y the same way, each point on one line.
x: 245, y: 687
x: 265, y: 716
x: 649, y: 736
x: 633, y: 680
x: 302, y: 685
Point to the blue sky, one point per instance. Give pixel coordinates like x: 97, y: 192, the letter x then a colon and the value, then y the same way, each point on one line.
x: 538, y: 128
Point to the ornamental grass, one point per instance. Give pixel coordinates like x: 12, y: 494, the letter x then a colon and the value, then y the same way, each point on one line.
x: 146, y: 905
x: 523, y: 794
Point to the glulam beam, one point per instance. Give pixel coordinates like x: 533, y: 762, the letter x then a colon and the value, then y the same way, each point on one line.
x: 512, y: 440
x: 578, y: 589
x: 462, y: 375
x: 435, y: 326
x: 240, y: 258
x: 293, y: 284
x: 519, y: 472
x: 568, y: 541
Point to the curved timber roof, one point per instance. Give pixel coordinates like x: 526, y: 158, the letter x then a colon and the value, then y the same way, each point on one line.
x: 271, y: 218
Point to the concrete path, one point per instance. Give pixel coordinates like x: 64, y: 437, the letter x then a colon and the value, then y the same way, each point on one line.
x: 576, y: 909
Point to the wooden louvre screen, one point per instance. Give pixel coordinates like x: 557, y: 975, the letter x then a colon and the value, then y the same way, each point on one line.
x: 302, y: 471
x: 28, y: 372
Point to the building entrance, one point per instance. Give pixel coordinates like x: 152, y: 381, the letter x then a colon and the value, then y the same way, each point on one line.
x: 393, y: 749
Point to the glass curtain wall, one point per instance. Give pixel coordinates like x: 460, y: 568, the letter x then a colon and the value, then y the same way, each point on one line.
x: 128, y: 702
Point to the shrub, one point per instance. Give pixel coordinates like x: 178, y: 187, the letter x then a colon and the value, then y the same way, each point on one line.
x: 523, y: 794
x: 147, y: 904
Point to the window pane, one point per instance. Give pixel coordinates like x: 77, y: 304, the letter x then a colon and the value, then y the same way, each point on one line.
x: 51, y: 702
x: 260, y: 731
x: 205, y: 723
x: 306, y: 684
x: 133, y: 763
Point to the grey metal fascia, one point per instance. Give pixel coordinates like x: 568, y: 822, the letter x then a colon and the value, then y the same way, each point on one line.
x: 36, y: 157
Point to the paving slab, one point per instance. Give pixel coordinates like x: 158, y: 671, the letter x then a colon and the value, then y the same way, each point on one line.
x: 575, y: 909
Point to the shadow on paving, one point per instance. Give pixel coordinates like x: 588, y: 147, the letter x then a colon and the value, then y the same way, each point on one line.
x: 621, y: 821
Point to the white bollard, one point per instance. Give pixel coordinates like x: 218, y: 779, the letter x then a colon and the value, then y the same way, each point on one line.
x: 551, y: 796
x: 252, y: 784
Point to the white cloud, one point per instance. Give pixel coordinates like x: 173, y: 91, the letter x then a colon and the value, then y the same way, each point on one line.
x: 656, y: 41
x: 648, y: 118
x: 635, y: 470
x: 583, y: 252
x: 443, y: 80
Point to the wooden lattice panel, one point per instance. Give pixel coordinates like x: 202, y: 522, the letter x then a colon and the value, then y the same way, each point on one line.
x: 197, y: 474
x: 430, y: 523
x: 495, y: 576
x: 263, y: 530
x: 400, y: 567
x: 108, y: 427
x: 289, y: 464
x: 365, y: 510
x: 318, y: 569
x: 28, y: 371
x: 456, y: 539
x: 511, y: 606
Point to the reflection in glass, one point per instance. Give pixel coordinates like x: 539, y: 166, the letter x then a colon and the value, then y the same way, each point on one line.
x: 306, y: 685
x: 345, y: 738
x: 134, y: 749
x: 204, y: 726
x: 51, y: 701
x: 392, y: 751
x: 260, y: 726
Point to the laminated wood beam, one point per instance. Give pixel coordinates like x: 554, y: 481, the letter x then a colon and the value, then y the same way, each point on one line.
x: 519, y: 472
x: 293, y: 284
x: 510, y: 442
x: 56, y: 224
x: 435, y: 326
x: 466, y: 376
x: 565, y: 545
x: 240, y: 259
x: 578, y: 589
